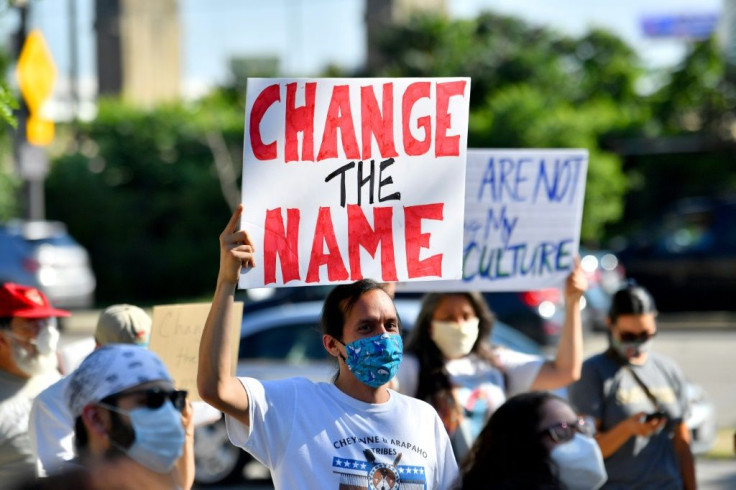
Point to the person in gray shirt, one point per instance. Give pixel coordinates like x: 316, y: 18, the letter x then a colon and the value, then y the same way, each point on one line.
x: 638, y: 401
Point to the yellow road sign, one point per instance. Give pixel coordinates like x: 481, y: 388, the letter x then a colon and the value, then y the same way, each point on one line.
x: 36, y: 75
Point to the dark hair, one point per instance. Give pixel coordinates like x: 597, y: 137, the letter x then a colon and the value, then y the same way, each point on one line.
x: 632, y: 299
x: 80, y: 435
x: 339, y: 302
x: 120, y: 432
x: 509, y: 453
x: 5, y: 322
x: 433, y: 377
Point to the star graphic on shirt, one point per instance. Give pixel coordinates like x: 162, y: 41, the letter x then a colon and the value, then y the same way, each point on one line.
x: 363, y: 466
x: 338, y: 462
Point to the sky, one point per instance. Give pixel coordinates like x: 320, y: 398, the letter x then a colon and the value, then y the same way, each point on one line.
x: 307, y: 35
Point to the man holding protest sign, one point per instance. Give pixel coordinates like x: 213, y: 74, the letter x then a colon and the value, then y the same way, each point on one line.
x: 327, y: 204
x: 353, y: 433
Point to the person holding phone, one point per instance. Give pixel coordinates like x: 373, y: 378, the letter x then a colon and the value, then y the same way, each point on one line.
x: 638, y: 401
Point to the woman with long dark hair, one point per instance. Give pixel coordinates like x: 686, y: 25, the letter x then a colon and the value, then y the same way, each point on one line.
x: 534, y: 441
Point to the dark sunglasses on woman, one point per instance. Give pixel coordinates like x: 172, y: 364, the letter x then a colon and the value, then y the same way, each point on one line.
x: 565, y: 431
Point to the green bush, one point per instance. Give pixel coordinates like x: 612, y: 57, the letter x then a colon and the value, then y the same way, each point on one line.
x: 143, y: 196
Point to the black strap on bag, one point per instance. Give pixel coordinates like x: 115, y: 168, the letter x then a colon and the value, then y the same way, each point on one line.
x: 657, y: 406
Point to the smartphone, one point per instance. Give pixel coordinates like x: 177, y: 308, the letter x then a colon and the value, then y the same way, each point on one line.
x: 659, y: 414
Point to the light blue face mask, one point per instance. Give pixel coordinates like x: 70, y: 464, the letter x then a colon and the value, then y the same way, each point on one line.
x: 159, y: 436
x: 374, y: 360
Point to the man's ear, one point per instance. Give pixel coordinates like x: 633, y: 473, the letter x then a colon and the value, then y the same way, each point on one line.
x: 330, y: 345
x: 94, y: 420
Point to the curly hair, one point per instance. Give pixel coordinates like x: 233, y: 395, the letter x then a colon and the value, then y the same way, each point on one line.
x: 509, y: 452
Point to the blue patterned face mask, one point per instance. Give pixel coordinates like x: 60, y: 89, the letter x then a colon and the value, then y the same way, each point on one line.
x: 374, y: 360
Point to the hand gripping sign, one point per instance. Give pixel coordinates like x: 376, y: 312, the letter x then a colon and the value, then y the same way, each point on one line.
x: 351, y: 178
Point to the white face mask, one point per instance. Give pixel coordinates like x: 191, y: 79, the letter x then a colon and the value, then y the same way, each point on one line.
x: 580, y: 463
x: 44, y: 359
x: 455, y: 339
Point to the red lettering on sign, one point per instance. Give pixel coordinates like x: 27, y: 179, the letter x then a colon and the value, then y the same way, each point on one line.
x: 324, y: 234
x: 378, y: 122
x: 446, y: 146
x: 339, y: 116
x: 412, y: 146
x: 265, y: 99
x: 361, y: 235
x: 416, y: 240
x: 300, y: 120
x: 282, y: 244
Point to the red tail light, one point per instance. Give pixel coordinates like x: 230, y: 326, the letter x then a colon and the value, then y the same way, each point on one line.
x: 535, y: 298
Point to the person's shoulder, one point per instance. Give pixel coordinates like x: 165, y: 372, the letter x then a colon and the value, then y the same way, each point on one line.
x: 664, y: 362
x: 54, y: 391
x: 601, y: 365
x: 295, y: 382
x: 600, y: 359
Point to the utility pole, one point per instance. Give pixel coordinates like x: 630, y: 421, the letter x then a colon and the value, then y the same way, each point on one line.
x: 73, y: 64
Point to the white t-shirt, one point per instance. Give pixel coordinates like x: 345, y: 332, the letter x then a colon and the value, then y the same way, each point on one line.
x: 479, y: 387
x: 51, y: 430
x: 312, y: 435
x: 16, y: 458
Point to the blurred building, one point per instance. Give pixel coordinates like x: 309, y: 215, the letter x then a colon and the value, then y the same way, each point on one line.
x: 138, y: 49
x: 380, y: 14
x: 727, y: 30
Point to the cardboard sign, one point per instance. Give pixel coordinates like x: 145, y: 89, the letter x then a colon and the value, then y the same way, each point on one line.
x: 175, y: 336
x: 523, y: 210
x: 352, y: 178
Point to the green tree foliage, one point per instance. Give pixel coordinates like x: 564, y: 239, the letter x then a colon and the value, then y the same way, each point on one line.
x: 8, y: 103
x: 143, y: 196
x: 532, y: 88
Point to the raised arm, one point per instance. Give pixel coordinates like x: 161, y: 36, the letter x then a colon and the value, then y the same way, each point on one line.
x: 566, y: 366
x: 681, y: 441
x: 215, y: 383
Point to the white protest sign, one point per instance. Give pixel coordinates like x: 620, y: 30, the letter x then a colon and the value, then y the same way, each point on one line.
x: 352, y: 178
x: 175, y: 335
x: 523, y: 210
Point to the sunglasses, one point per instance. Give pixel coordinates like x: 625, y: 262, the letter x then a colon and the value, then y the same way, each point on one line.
x: 155, y: 397
x: 565, y: 431
x: 635, y: 337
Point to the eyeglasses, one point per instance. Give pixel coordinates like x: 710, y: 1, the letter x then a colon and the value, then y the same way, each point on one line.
x: 155, y: 397
x: 636, y: 337
x: 565, y: 431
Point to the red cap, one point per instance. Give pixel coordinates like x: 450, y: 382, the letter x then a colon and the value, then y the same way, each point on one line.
x: 26, y: 302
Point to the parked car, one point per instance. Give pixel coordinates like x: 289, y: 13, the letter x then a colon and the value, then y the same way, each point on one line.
x: 43, y: 254
x: 284, y: 341
x: 537, y: 314
x: 687, y: 258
